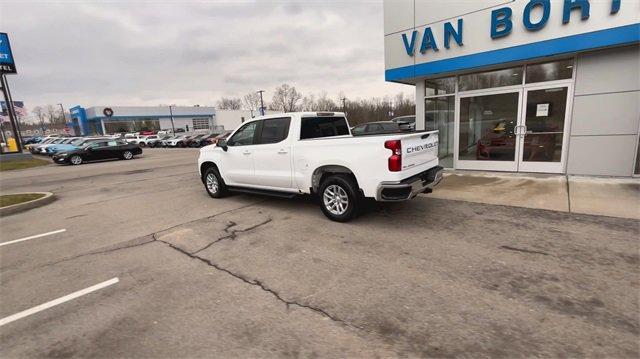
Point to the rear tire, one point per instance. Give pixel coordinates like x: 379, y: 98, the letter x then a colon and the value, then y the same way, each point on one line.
x: 141, y: 144
x: 339, y: 198
x: 213, y: 183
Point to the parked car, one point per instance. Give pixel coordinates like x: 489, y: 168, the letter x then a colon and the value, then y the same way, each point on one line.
x: 158, y: 141
x: 98, y: 150
x: 42, y: 148
x: 32, y: 146
x: 61, y: 147
x: 30, y: 140
x: 315, y: 153
x: 215, y: 139
x: 177, y: 141
x: 376, y: 128
x: 406, y: 123
x: 194, y: 139
x: 146, y: 140
x: 132, y: 137
x: 147, y: 133
x: 75, y: 144
x: 202, y: 141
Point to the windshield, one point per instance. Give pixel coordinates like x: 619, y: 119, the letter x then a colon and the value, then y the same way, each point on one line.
x: 78, y: 141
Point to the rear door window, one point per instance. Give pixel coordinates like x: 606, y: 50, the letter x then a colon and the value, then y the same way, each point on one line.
x: 317, y: 127
x: 274, y: 130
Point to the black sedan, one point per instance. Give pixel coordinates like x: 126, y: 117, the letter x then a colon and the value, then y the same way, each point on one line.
x: 99, y: 150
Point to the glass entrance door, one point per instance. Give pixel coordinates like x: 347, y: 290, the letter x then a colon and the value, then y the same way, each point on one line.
x: 487, y: 138
x: 541, y: 131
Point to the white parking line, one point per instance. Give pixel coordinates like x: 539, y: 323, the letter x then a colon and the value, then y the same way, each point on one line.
x: 55, y: 302
x: 32, y: 237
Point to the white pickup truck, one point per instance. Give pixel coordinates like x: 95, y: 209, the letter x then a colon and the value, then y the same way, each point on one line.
x: 315, y: 153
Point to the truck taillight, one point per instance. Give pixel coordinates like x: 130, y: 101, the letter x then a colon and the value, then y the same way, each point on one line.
x: 395, y: 160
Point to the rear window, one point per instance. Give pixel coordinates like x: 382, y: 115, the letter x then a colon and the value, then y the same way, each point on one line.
x: 316, y: 127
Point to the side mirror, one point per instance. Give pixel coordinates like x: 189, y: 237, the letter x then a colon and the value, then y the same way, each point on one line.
x: 222, y: 144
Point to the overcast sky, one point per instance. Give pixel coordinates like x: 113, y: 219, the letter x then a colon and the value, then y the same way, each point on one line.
x: 175, y: 52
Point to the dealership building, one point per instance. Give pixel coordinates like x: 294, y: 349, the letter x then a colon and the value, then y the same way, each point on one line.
x: 118, y: 119
x: 547, y: 86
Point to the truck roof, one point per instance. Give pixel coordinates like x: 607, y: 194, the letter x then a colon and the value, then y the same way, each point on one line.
x: 300, y: 114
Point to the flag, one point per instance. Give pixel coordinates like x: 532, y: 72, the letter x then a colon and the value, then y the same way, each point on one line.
x: 20, y: 111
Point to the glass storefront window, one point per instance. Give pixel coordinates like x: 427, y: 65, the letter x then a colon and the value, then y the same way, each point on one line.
x: 489, y: 79
x: 550, y: 71
x: 440, y: 115
x: 441, y: 86
x: 487, y: 124
x: 120, y: 126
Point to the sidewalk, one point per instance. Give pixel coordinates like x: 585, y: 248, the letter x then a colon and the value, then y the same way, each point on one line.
x: 616, y: 197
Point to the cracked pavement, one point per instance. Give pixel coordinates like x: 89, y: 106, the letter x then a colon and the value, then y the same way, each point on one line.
x: 250, y: 276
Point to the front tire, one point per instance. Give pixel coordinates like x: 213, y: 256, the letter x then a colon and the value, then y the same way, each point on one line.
x: 339, y: 198
x: 75, y: 160
x: 127, y: 155
x: 214, y: 184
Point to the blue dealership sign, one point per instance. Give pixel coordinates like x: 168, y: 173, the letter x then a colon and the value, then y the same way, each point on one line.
x: 7, y: 65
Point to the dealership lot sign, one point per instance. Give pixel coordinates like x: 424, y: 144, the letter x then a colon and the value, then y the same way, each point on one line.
x: 7, y: 65
x: 439, y: 39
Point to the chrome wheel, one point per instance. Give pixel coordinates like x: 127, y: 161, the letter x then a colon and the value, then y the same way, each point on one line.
x: 76, y: 160
x: 212, y: 183
x: 128, y: 155
x: 335, y: 200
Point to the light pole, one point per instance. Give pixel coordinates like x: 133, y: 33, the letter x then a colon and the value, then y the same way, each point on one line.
x: 63, y: 116
x: 173, y: 128
x: 261, y: 103
x: 344, y: 104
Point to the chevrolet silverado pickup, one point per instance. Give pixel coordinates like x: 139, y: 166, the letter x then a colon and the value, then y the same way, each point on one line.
x: 314, y: 153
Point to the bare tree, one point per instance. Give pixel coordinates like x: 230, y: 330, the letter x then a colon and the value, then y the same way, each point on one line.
x: 54, y: 115
x: 308, y: 103
x: 324, y: 103
x: 285, y: 99
x: 41, y: 115
x: 251, y: 101
x: 230, y: 103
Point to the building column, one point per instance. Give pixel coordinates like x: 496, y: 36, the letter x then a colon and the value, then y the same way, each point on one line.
x: 420, y: 121
x: 104, y: 130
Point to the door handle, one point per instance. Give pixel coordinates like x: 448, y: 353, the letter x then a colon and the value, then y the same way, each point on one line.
x: 283, y: 152
x: 246, y: 152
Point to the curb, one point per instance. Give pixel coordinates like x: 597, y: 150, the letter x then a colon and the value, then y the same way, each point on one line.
x: 15, y: 208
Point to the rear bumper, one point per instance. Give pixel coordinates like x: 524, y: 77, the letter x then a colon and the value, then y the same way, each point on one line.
x: 409, y: 187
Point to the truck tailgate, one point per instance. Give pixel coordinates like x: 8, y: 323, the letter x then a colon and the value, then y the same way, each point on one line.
x: 419, y: 148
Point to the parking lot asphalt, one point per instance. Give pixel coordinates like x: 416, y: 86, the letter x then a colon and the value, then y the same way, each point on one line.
x: 250, y: 276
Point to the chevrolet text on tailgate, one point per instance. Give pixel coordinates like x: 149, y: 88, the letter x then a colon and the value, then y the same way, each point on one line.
x: 314, y: 153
